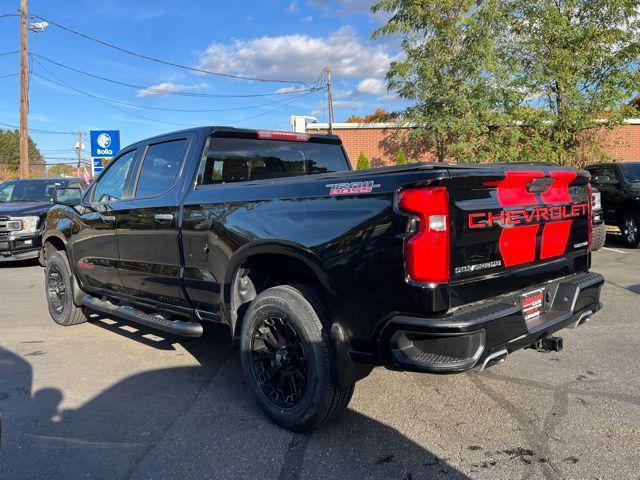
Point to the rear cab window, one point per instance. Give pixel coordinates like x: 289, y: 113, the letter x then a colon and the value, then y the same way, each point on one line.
x: 160, y: 168
x: 230, y: 160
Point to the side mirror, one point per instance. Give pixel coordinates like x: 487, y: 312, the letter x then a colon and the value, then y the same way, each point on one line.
x: 70, y: 196
x: 605, y: 180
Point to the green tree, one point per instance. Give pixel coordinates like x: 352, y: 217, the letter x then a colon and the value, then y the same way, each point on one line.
x: 363, y: 162
x: 515, y: 79
x: 450, y: 73
x: 576, y: 63
x: 10, y: 151
x: 400, y: 157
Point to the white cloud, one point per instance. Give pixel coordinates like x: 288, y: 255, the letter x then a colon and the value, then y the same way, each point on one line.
x: 165, y: 88
x: 388, y: 98
x: 347, y: 104
x: 287, y: 89
x: 299, y: 57
x: 371, y: 86
x: 308, y: 18
x: 293, y: 7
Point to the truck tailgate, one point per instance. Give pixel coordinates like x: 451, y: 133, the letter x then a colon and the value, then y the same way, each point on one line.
x: 517, y: 217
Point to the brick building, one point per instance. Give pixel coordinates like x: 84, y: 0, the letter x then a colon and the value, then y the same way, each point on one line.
x: 379, y: 141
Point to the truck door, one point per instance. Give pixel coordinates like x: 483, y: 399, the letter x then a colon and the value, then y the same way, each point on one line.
x: 95, y: 248
x: 607, y: 180
x: 148, y: 225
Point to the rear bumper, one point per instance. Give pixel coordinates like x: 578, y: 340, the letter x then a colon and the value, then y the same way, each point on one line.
x: 475, y: 335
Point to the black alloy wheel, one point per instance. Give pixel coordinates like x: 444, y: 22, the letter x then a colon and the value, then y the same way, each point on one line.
x: 630, y: 229
x: 278, y: 359
x: 288, y: 359
x: 58, y: 287
x: 56, y: 290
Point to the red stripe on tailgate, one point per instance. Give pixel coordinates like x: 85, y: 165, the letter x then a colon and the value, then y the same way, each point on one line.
x: 554, y: 238
x: 518, y: 245
x: 559, y: 191
x: 512, y: 190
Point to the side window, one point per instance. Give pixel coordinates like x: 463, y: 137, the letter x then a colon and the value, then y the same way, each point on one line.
x: 239, y: 160
x: 160, y: 168
x: 112, y: 183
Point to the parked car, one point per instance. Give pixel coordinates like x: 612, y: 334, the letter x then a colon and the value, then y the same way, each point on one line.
x: 599, y: 232
x: 23, y: 207
x: 619, y: 185
x: 322, y: 273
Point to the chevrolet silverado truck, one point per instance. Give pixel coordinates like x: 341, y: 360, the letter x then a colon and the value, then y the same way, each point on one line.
x: 320, y: 272
x: 24, y: 204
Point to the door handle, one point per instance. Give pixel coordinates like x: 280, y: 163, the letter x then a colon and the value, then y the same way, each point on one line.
x: 108, y: 218
x: 163, y: 217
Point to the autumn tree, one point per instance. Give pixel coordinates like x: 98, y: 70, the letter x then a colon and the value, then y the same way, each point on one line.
x: 379, y: 116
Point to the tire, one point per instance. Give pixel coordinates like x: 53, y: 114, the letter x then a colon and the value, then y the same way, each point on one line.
x: 598, y: 237
x: 288, y: 361
x: 630, y: 229
x: 59, y: 291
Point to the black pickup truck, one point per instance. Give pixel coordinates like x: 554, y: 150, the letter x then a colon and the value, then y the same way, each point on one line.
x: 619, y: 186
x: 24, y: 204
x: 322, y: 273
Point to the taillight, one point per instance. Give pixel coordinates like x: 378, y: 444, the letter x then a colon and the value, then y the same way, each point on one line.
x: 590, y: 216
x: 427, y: 250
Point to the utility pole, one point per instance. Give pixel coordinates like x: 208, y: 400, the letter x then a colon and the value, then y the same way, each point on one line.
x: 327, y: 72
x: 24, y: 92
x: 79, y: 147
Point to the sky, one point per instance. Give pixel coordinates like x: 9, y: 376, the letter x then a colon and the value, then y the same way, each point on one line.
x: 286, y: 40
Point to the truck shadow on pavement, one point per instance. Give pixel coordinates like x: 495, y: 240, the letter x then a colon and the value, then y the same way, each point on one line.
x: 187, y: 422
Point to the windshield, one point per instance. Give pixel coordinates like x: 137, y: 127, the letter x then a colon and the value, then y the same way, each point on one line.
x: 631, y: 172
x: 28, y: 190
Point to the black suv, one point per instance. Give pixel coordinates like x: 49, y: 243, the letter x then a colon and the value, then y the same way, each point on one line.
x: 619, y: 186
x: 23, y: 206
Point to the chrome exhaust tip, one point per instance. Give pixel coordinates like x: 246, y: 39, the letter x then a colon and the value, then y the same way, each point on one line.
x: 583, y: 318
x: 495, y: 357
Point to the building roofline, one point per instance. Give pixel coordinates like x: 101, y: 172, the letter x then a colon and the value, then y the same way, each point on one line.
x: 356, y: 126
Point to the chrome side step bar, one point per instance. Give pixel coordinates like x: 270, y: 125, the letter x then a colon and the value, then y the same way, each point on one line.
x: 175, y: 327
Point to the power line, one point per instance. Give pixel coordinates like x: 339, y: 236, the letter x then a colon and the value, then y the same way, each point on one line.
x: 172, y: 92
x: 270, y: 111
x: 95, y: 97
x: 166, y: 109
x: 36, y: 130
x: 2, y: 54
x: 10, y: 75
x: 107, y: 102
x: 165, y: 62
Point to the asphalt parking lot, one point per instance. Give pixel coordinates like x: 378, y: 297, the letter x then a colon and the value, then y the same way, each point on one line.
x: 108, y: 400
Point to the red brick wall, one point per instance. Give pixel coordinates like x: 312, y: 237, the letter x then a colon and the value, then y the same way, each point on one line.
x: 380, y: 145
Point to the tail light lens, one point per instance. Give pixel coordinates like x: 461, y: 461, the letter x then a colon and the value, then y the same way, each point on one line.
x: 427, y: 251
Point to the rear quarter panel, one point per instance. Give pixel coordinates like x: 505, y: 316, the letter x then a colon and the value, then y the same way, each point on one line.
x: 355, y: 238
